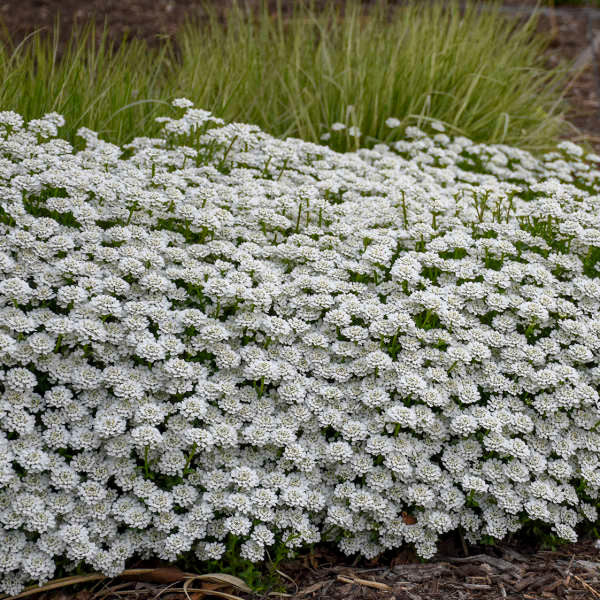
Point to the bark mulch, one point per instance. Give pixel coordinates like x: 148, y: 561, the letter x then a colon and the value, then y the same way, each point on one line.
x: 505, y: 571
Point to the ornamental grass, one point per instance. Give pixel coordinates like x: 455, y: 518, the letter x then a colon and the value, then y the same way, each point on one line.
x: 481, y: 72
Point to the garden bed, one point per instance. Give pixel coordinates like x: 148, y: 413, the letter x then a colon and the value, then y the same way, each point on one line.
x: 459, y: 569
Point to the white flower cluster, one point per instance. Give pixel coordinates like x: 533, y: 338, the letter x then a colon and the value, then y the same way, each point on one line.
x: 218, y: 332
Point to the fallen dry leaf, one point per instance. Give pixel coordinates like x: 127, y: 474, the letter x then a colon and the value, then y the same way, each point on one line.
x: 222, y: 578
x: 408, y: 519
x: 163, y: 575
x: 312, y: 588
x: 206, y: 593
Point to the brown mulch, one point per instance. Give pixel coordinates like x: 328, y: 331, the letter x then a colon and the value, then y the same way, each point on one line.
x: 505, y: 571
x: 572, y: 572
x: 575, y: 30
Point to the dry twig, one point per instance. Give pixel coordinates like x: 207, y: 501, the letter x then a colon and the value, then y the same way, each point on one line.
x: 365, y: 582
x: 587, y: 586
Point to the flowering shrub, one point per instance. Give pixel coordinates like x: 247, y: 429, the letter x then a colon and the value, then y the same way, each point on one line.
x: 217, y: 333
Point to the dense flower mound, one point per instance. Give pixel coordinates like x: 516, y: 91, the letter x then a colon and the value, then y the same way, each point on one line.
x: 217, y: 333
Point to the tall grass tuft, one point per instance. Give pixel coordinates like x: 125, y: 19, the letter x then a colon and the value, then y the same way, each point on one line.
x: 479, y: 72
x: 116, y: 91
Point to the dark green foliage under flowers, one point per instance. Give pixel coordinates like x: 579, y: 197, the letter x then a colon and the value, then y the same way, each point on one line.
x: 261, y: 578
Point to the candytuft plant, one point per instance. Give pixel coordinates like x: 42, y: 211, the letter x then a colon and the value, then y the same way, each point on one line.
x: 214, y: 339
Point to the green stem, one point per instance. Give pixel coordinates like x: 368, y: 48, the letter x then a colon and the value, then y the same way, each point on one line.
x: 404, y: 216
x: 222, y: 164
x: 298, y: 219
x: 265, y: 170
x: 395, y: 338
x: 146, y: 469
x: 427, y: 317
x: 282, y: 169
x: 188, y: 462
x: 131, y: 211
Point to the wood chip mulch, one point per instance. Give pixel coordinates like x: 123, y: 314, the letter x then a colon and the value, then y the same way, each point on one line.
x: 505, y: 571
x: 571, y: 572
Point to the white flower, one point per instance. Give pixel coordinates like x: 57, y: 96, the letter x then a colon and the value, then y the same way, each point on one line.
x: 571, y: 148
x: 464, y: 425
x: 182, y: 103
x: 16, y: 289
x: 402, y: 415
x: 269, y: 355
x: 245, y: 477
x: 146, y: 435
x: 238, y: 525
x: 252, y: 550
x: 151, y: 413
x: 210, y: 550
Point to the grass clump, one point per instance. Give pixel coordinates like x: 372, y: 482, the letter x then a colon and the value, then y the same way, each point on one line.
x: 114, y: 90
x: 479, y: 72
